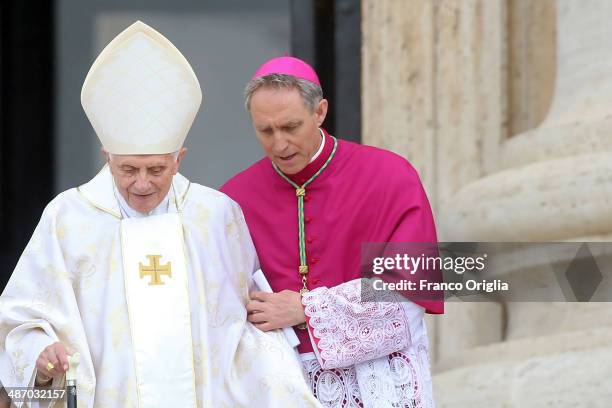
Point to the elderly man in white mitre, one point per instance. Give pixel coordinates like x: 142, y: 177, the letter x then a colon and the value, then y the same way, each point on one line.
x: 141, y: 272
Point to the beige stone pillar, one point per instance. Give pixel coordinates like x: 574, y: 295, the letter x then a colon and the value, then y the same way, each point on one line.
x: 398, y: 71
x: 425, y: 97
x: 448, y: 84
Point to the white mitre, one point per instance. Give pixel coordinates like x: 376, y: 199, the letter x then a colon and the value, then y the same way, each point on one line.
x: 141, y: 95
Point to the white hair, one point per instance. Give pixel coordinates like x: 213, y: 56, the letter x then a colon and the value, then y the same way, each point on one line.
x: 174, y: 155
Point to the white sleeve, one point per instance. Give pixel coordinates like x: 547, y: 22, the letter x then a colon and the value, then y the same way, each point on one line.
x: 345, y: 330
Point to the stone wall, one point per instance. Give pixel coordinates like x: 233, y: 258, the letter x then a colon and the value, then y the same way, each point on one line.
x: 505, y: 108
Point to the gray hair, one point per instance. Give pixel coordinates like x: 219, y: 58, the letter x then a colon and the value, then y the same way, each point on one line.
x: 311, y: 93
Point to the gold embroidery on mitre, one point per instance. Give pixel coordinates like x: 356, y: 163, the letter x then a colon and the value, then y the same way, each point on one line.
x: 155, y: 270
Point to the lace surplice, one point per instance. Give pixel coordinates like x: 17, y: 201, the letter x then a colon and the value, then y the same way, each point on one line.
x: 367, y: 354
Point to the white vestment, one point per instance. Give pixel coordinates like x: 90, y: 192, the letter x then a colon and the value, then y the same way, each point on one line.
x: 69, y: 286
x: 366, y: 353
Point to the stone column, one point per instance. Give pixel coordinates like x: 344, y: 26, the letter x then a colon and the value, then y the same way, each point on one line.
x: 446, y: 83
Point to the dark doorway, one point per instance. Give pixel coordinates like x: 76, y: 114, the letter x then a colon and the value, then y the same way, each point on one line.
x: 327, y: 34
x: 26, y: 135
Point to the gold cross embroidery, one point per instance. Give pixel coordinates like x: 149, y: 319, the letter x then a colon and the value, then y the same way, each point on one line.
x: 155, y: 270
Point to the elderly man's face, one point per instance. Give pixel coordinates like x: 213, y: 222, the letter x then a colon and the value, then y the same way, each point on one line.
x: 286, y: 129
x: 144, y: 180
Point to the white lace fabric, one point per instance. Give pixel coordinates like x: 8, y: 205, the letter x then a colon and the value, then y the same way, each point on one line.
x: 367, y: 354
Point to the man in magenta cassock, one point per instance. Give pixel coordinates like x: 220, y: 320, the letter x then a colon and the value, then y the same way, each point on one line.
x: 309, y: 206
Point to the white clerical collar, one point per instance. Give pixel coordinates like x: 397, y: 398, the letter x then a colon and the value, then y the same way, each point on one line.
x: 318, y: 153
x: 129, y: 212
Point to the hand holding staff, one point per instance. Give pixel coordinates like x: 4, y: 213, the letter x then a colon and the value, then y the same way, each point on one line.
x: 52, y: 363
